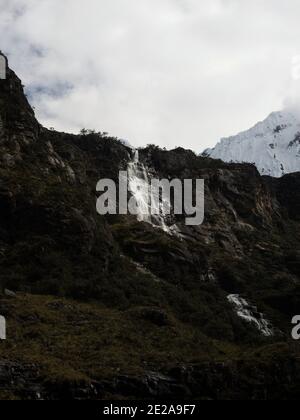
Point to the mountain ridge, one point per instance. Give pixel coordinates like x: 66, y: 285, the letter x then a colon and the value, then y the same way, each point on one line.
x: 273, y: 145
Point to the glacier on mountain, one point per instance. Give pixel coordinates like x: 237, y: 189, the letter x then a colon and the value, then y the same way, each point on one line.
x: 273, y: 145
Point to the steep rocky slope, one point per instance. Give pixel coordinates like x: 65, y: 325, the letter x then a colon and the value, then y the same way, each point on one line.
x: 126, y: 308
x: 273, y: 145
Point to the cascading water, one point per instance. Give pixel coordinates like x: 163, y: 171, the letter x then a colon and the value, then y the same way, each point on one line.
x: 139, y: 186
x: 250, y: 314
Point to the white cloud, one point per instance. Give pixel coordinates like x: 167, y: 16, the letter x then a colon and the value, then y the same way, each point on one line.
x: 173, y: 72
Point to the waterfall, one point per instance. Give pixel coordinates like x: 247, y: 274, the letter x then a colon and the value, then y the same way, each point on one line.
x: 250, y: 314
x: 139, y: 186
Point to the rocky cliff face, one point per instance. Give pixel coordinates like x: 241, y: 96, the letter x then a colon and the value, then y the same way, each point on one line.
x: 120, y: 303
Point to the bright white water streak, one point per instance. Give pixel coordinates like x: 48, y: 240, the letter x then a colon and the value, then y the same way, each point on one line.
x: 139, y: 181
x: 249, y: 313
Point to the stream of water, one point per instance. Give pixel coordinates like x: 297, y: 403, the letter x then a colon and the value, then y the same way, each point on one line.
x: 139, y: 186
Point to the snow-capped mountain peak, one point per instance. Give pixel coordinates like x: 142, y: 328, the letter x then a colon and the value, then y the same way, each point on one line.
x: 273, y: 145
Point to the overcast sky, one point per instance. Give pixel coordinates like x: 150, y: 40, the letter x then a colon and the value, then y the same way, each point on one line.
x: 171, y: 72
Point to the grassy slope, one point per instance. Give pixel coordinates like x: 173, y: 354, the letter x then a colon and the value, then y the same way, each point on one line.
x: 72, y: 342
